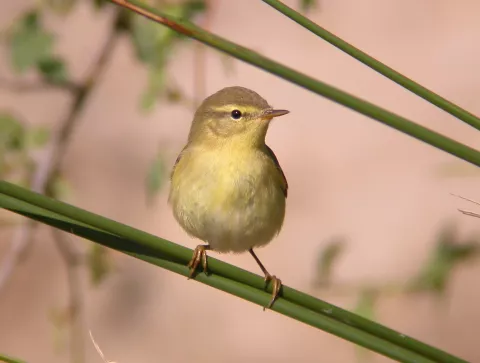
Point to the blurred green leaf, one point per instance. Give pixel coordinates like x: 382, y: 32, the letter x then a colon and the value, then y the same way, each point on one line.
x: 36, y: 136
x: 307, y: 5
x: 59, y: 188
x: 99, y: 3
x: 173, y: 94
x: 31, y: 19
x: 59, y: 320
x: 156, y: 84
x: 98, y: 262
x: 327, y: 258
x: 154, y: 45
x: 366, y: 307
x: 11, y: 132
x: 156, y: 176
x: 61, y: 7
x: 147, y: 38
x: 53, y: 69
x: 448, y: 253
x: 152, y: 41
x: 29, y: 42
x: 191, y: 8
x: 366, y: 303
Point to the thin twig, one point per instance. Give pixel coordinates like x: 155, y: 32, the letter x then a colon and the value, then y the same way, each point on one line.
x: 45, y: 173
x: 469, y: 213
x: 73, y: 259
x: 466, y: 212
x: 49, y: 166
x: 25, y: 86
x: 20, y: 241
x: 97, y: 348
x: 470, y: 200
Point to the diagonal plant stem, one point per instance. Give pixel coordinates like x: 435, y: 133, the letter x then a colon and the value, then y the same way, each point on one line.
x: 366, y: 108
x: 7, y: 359
x: 239, y: 282
x: 378, y: 66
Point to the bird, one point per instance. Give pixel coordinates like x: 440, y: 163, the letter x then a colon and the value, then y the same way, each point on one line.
x: 227, y: 187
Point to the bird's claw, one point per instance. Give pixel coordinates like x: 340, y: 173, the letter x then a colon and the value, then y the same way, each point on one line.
x: 200, y: 254
x: 276, y: 285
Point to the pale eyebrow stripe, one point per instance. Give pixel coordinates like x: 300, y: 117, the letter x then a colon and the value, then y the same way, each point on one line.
x: 230, y: 107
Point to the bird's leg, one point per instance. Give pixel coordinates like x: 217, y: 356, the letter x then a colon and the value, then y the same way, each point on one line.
x: 200, y: 254
x: 276, y: 282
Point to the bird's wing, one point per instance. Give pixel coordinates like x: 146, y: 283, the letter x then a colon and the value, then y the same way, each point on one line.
x: 272, y: 156
x: 176, y: 162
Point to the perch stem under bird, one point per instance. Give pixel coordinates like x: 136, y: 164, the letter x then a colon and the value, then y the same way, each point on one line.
x: 227, y: 187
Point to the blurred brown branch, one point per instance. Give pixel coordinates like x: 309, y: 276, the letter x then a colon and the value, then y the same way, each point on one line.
x: 49, y: 166
x: 26, y: 86
x: 45, y: 174
x: 73, y: 260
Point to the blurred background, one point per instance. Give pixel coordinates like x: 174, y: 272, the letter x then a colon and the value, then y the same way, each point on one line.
x: 95, y: 105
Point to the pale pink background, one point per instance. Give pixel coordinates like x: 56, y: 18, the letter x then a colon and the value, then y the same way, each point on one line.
x: 348, y: 175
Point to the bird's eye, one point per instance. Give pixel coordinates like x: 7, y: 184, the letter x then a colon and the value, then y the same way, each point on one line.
x: 236, y: 114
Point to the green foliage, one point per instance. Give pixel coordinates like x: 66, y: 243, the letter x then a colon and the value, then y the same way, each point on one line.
x: 36, y: 137
x: 53, y: 69
x: 61, y: 7
x: 98, y: 263
x: 31, y: 46
x: 448, y: 254
x: 100, y: 3
x: 14, y: 136
x: 155, y: 44
x: 59, y: 187
x: 7, y: 359
x: 327, y: 258
x: 12, y: 132
x: 16, y: 143
x: 307, y: 5
x: 29, y: 42
x: 366, y: 303
x: 366, y: 307
x: 156, y: 176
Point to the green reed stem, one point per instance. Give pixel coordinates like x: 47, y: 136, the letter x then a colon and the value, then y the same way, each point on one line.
x: 224, y: 276
x: 366, y: 108
x: 7, y: 359
x: 378, y: 66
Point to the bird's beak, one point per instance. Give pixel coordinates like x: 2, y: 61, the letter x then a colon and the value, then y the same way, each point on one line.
x: 271, y: 113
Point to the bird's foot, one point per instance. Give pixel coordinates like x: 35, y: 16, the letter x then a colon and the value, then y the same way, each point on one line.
x: 276, y: 285
x: 200, y: 254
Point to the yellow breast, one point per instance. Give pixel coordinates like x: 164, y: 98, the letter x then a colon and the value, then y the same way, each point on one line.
x: 231, y: 199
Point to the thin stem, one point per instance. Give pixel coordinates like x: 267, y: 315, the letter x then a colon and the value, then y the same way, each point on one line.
x: 234, y: 287
x: 366, y: 108
x: 72, y: 260
x: 23, y: 86
x: 239, y: 282
x: 49, y: 166
x: 7, y: 359
x: 376, y: 65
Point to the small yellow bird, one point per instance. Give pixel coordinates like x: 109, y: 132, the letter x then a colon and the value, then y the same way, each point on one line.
x: 227, y: 187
